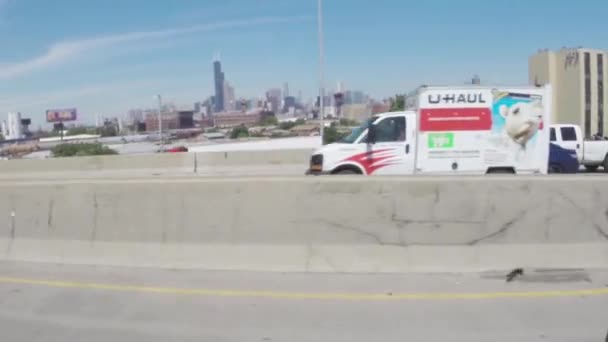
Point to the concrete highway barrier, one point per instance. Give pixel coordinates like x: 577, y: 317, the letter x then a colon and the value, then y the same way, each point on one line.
x: 165, y: 162
x: 311, y: 224
x: 244, y: 158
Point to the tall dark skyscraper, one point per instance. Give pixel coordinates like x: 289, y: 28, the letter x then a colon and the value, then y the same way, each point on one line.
x: 218, y: 79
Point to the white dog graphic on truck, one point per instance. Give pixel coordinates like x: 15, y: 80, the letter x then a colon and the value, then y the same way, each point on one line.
x: 522, y: 121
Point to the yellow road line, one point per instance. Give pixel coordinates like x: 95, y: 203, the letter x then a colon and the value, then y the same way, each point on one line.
x: 307, y: 295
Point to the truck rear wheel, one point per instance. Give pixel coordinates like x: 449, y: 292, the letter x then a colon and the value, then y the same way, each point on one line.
x: 591, y: 168
x: 605, y: 164
x: 500, y: 170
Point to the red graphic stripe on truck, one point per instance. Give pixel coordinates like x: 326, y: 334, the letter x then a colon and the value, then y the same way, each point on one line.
x: 455, y: 119
x: 373, y: 160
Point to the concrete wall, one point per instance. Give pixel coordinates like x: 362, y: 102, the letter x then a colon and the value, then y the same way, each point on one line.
x: 345, y: 224
x: 184, y: 162
x: 243, y: 158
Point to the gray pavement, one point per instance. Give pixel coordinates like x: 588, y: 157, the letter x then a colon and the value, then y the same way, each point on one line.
x: 79, y: 303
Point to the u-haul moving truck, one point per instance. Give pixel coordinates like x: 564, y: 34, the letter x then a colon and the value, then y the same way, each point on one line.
x: 453, y: 130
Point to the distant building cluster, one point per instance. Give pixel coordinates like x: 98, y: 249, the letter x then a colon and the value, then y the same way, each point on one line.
x: 177, y: 119
x: 577, y: 77
x: 15, y: 127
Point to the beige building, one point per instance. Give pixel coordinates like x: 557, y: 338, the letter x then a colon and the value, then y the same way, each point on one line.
x: 358, y: 112
x: 577, y: 77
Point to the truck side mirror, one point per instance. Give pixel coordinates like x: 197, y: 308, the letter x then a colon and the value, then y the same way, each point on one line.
x: 371, y: 134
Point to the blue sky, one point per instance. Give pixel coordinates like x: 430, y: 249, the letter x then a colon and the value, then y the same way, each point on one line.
x: 106, y: 56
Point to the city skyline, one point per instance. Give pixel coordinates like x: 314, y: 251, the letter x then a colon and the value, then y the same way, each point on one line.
x: 108, y: 59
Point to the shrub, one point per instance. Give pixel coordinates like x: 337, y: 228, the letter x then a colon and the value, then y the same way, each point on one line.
x: 331, y: 135
x: 81, y: 149
x: 239, y: 132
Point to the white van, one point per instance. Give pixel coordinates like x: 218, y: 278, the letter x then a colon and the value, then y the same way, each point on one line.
x: 454, y: 130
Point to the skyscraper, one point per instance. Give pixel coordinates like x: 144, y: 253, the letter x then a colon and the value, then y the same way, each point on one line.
x: 218, y: 79
x: 274, y: 98
x: 285, y: 89
x: 229, y: 99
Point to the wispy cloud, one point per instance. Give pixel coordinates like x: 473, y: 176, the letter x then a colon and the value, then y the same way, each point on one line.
x: 10, y: 102
x: 63, y: 52
x: 43, y: 98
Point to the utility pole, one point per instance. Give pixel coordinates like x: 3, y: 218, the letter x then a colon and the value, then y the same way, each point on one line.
x: 160, y: 121
x: 321, y: 67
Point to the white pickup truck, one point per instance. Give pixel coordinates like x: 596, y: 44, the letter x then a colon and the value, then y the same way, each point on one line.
x: 591, y: 153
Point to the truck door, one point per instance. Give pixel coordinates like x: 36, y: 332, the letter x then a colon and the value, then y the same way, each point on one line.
x: 394, y: 150
x: 570, y: 139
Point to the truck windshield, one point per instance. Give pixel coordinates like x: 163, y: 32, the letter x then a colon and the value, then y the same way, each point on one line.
x: 356, y: 132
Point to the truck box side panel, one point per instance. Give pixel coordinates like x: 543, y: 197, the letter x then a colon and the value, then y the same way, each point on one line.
x: 472, y: 129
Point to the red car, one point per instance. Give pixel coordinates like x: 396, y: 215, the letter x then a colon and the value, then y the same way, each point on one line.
x: 177, y: 149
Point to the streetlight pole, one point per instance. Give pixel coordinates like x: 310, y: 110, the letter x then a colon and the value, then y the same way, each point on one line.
x: 321, y: 67
x: 160, y: 121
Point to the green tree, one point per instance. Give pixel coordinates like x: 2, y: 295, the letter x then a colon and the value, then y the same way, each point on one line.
x: 348, y: 122
x: 397, y: 103
x: 269, y: 120
x: 332, y: 135
x: 287, y: 125
x: 77, y: 131
x: 239, y: 132
x: 107, y: 131
x: 81, y: 149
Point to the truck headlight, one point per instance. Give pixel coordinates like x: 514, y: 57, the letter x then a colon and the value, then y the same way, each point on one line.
x: 316, y: 162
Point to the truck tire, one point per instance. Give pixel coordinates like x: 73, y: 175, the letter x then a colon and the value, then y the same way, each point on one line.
x: 591, y: 168
x: 555, y: 169
x: 605, y: 164
x: 500, y: 171
x: 346, y: 172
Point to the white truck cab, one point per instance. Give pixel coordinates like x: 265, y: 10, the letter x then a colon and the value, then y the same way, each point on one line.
x: 454, y: 130
x: 389, y: 150
x: 591, y: 153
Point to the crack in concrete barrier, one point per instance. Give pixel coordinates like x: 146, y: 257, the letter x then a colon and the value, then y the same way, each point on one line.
x: 95, y: 214
x: 596, y: 226
x: 503, y: 229
x: 13, y: 228
x: 434, y: 222
x: 49, y: 220
x: 309, y: 254
x: 312, y: 252
x: 359, y: 231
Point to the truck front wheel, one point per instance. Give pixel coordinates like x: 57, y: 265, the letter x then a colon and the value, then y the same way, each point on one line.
x: 346, y: 173
x: 346, y: 170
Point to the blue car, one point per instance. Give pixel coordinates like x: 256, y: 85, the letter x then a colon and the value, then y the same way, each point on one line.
x: 562, y: 160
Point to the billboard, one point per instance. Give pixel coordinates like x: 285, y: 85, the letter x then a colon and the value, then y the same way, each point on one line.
x: 60, y: 115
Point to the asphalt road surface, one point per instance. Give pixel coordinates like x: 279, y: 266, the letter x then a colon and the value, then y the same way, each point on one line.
x: 81, y: 303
